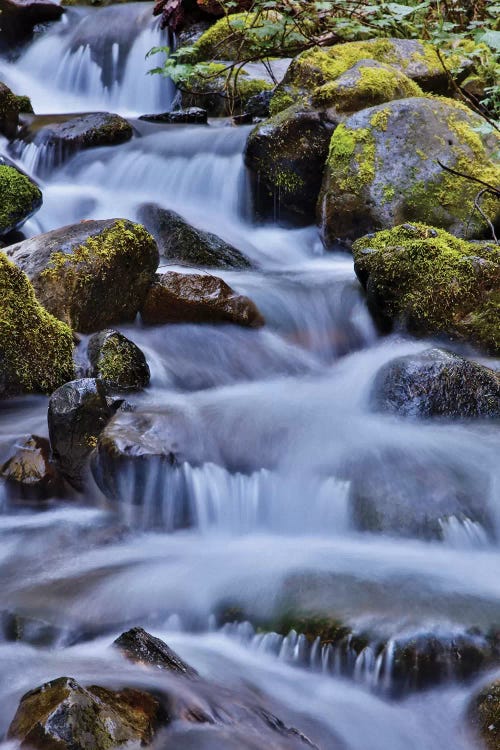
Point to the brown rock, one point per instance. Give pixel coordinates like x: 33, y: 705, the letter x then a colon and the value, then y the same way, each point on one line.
x: 29, y: 468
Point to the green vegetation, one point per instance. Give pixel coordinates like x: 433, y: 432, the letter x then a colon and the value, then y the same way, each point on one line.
x: 20, y: 197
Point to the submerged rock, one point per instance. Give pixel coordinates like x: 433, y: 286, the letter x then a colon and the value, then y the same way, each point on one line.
x: 195, y: 298
x: 20, y: 197
x: 65, y: 715
x: 286, y: 156
x: 192, y: 116
x: 91, y: 274
x: 382, y: 169
x: 139, y: 646
x: 117, y: 361
x: 78, y: 412
x: 179, y: 242
x: 432, y: 283
x: 35, y: 349
x: 437, y: 383
x: 29, y: 470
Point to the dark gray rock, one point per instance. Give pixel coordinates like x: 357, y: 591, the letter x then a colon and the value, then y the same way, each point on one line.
x: 117, y: 361
x: 190, y: 116
x: 142, y: 648
x: 19, y: 17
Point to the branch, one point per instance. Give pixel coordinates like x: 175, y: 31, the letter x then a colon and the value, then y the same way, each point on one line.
x: 489, y: 188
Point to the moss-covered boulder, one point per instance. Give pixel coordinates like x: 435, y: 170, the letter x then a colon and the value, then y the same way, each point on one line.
x: 91, y: 274
x: 9, y: 111
x: 181, y: 243
x: 20, y: 197
x: 311, y: 76
x: 383, y: 169
x: 117, y: 361
x: 286, y: 156
x: 484, y: 715
x: 437, y: 383
x: 65, y: 715
x: 433, y: 283
x: 35, y: 349
x: 196, y: 298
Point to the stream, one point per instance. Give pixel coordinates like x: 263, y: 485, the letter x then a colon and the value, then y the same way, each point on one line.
x: 290, y: 402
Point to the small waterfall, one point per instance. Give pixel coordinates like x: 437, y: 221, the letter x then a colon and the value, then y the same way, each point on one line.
x: 462, y: 533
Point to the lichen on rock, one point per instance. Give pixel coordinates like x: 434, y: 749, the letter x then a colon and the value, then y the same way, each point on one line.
x: 21, y: 197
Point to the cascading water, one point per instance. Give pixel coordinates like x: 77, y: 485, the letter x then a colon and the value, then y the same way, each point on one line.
x: 260, y: 515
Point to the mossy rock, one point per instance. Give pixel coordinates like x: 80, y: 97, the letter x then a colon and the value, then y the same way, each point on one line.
x: 20, y: 197
x: 9, y: 111
x: 433, y: 283
x: 383, y: 169
x: 90, y: 275
x: 35, y: 349
x: 484, y: 715
x: 117, y: 361
x: 286, y: 156
x: 311, y: 75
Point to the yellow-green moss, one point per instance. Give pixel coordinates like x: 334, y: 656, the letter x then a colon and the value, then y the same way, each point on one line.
x: 35, y: 348
x: 434, y: 281
x: 374, y: 85
x: 380, y: 119
x: 351, y: 158
x: 19, y: 197
x: 281, y: 100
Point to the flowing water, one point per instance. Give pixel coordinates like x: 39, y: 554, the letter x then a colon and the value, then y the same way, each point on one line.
x: 281, y: 416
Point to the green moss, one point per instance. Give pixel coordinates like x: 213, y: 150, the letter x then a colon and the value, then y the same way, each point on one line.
x: 20, y: 196
x: 434, y: 281
x: 24, y: 104
x: 380, y: 119
x: 351, y: 158
x: 35, y: 348
x: 374, y: 85
x: 281, y: 100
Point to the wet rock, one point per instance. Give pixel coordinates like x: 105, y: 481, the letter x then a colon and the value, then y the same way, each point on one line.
x: 117, y: 361
x: 16, y: 627
x: 412, y: 494
x: 29, y: 470
x: 21, y: 197
x: 91, y: 274
x: 190, y: 116
x: 63, y: 135
x: 19, y: 17
x: 196, y: 298
x: 9, y: 111
x: 35, y: 348
x: 78, y: 412
x: 143, y: 648
x: 432, y: 283
x: 259, y: 105
x: 286, y: 156
x: 437, y: 383
x: 484, y: 715
x: 382, y: 170
x: 179, y: 242
x: 65, y: 715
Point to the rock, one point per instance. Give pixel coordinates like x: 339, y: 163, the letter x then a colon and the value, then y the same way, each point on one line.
x: 484, y: 715
x: 413, y: 494
x: 35, y: 348
x: 91, y: 274
x: 197, y: 298
x: 19, y: 628
x: 433, y: 283
x: 179, y: 242
x: 286, y: 157
x: 78, y: 412
x: 382, y: 169
x: 437, y: 383
x: 259, y: 105
x: 310, y: 77
x: 21, y: 197
x: 139, y: 646
x: 190, y: 116
x: 19, y: 17
x: 63, y: 135
x: 63, y: 714
x: 9, y: 111
x: 117, y: 361
x: 29, y: 470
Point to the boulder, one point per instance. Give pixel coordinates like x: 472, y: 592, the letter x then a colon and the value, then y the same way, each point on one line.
x: 65, y: 715
x: 190, y: 116
x: 9, y: 111
x: 259, y: 105
x: 91, y: 274
x: 21, y: 197
x: 35, y: 349
x: 29, y: 471
x: 437, y: 383
x: 382, y: 169
x: 433, y: 283
x: 63, y: 135
x: 78, y: 412
x: 286, y: 156
x: 179, y: 242
x: 413, y: 494
x: 484, y: 715
x: 197, y: 298
x: 117, y: 361
x: 312, y: 73
x: 19, y: 17
x: 141, y: 647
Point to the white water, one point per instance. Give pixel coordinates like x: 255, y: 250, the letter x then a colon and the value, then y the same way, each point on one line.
x: 276, y: 415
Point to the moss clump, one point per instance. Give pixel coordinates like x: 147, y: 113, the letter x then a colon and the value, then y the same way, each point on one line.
x: 24, y: 105
x: 373, y: 85
x: 35, y: 349
x: 20, y: 198
x: 433, y: 282
x: 280, y: 101
x: 118, y: 361
x: 352, y: 156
